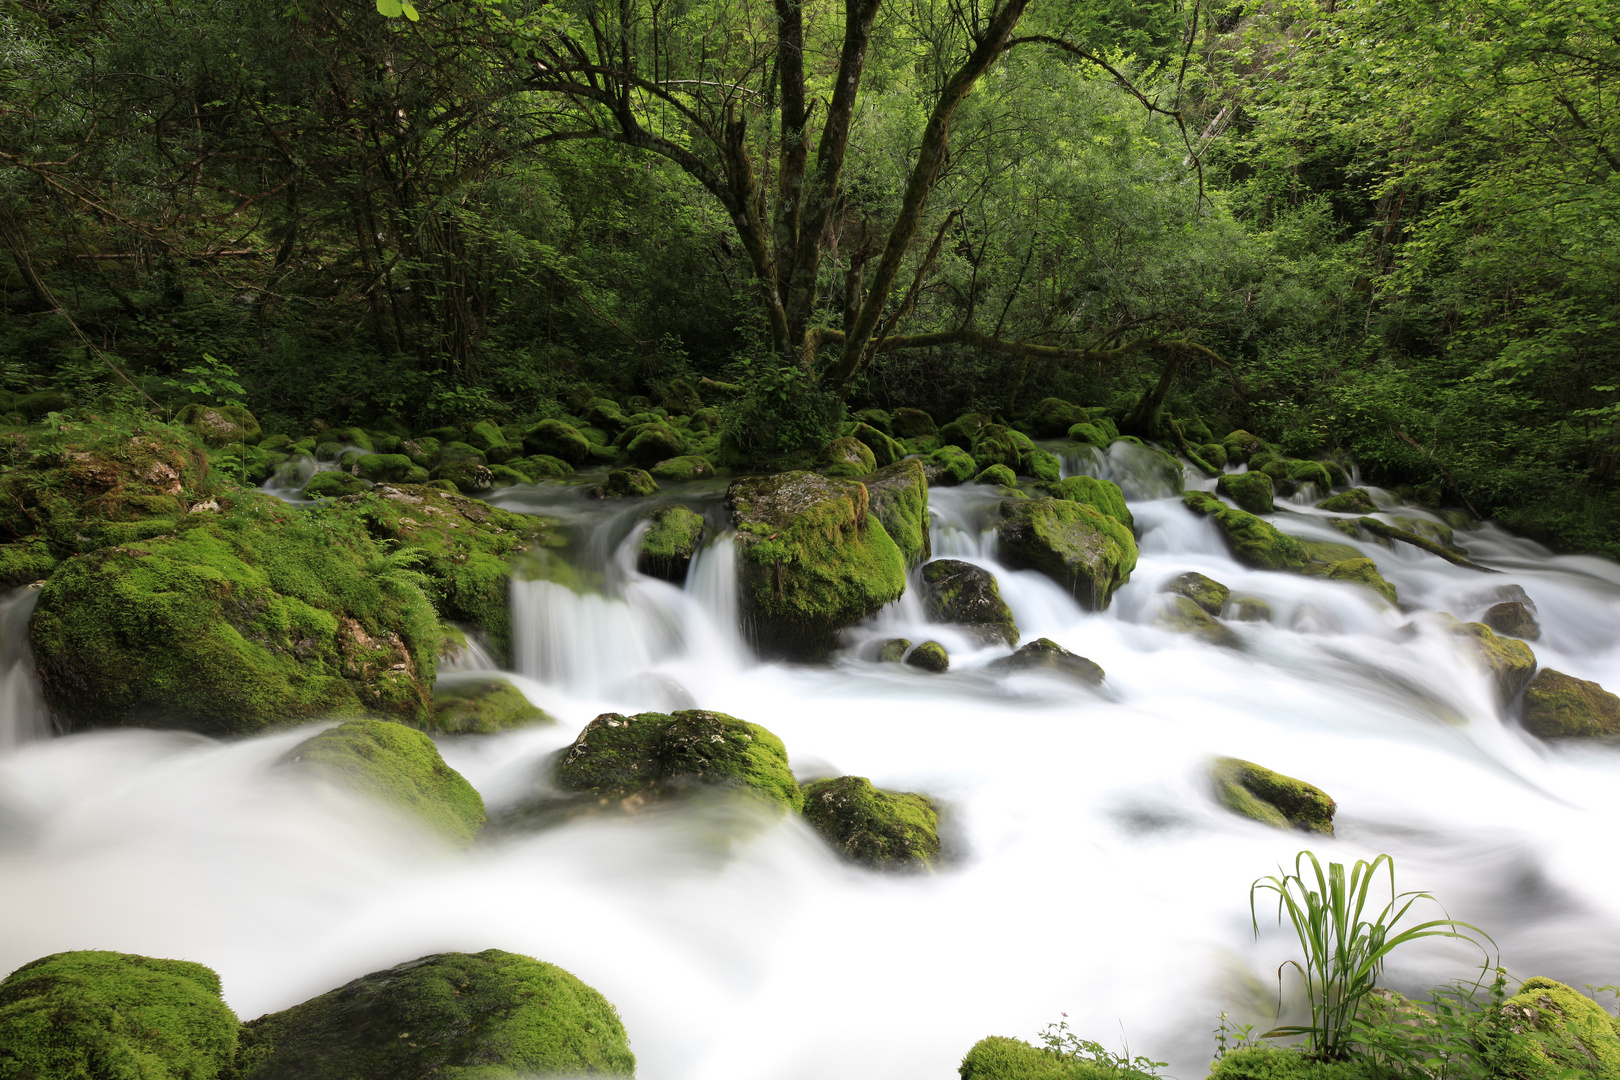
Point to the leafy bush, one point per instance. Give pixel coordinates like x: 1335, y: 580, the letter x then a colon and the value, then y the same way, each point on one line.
x: 781, y: 410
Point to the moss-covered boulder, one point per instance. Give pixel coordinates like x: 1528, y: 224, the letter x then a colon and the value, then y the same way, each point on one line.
x: 486, y: 437
x: 951, y: 465
x: 996, y: 445
x: 628, y: 484
x: 1207, y: 593
x: 1270, y: 797
x: 26, y: 562
x: 997, y: 476
x: 452, y: 1016
x: 962, y: 431
x: 898, y: 497
x: 1042, y: 465
x: 1052, y: 417
x: 1512, y: 618
x: 1253, y: 541
x: 967, y: 596
x: 1102, y: 494
x: 538, y: 467
x: 603, y: 413
x: 469, y: 477
x: 1565, y: 1033
x: 1214, y: 454
x: 911, y: 424
x: 114, y: 1016
x: 929, y: 656
x: 1251, y: 490
x: 646, y: 444
x: 483, y: 706
x: 1560, y: 706
x: 651, y: 756
x: 1360, y: 571
x: 887, y: 830
x: 220, y: 425
x: 1293, y: 472
x: 422, y: 451
x: 1509, y: 663
x: 1086, y: 551
x: 885, y: 451
x: 1249, y: 609
x: 671, y: 539
x: 1043, y: 655
x: 847, y: 456
x: 392, y: 468
x: 1355, y: 501
x: 1292, y: 1063
x: 333, y: 485
x: 684, y: 468
x: 812, y: 559
x: 1241, y: 446
x: 557, y: 439
x: 999, y: 1058
x: 893, y: 650
x: 1090, y: 435
x: 398, y: 767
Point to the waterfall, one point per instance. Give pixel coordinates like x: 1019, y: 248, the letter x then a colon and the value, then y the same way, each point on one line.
x: 23, y: 717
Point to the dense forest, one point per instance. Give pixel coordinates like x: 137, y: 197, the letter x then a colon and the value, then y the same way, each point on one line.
x: 1385, y: 231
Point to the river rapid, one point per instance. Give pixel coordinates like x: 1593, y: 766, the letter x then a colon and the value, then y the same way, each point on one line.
x: 1090, y: 871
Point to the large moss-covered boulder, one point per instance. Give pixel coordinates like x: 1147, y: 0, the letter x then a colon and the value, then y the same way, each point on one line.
x: 910, y: 424
x: 847, y: 456
x: 898, y: 497
x: 812, y: 559
x: 398, y: 767
x: 1102, y: 494
x: 671, y: 539
x: 652, y: 756
x: 452, y: 1016
x: 483, y: 706
x: 114, y: 1016
x: 997, y: 445
x: 1052, y: 417
x: 647, y: 444
x: 885, y: 451
x: 1560, y: 706
x: 1241, y: 446
x: 1270, y: 797
x: 997, y: 476
x: 1042, y: 465
x: 628, y: 483
x: 1086, y: 551
x: 930, y: 656
x: 1513, y: 618
x: 1355, y: 501
x: 965, y: 595
x: 395, y: 468
x: 333, y: 485
x: 684, y: 468
x: 951, y: 465
x: 963, y: 430
x: 1251, y: 490
x: 1565, y: 1033
x: 220, y: 425
x: 1253, y: 541
x: 246, y: 616
x: 468, y: 477
x: 1090, y: 435
x: 26, y: 562
x: 1043, y: 655
x: 557, y: 439
x: 873, y: 827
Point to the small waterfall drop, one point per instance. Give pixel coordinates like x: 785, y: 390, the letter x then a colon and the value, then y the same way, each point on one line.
x: 23, y: 717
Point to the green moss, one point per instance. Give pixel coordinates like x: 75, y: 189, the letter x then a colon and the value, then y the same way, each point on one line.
x: 114, y: 1016
x: 1390, y: 532
x: 962, y: 431
x: 538, y: 467
x: 501, y: 476
x: 954, y: 465
x: 1362, y: 572
x: 998, y: 1058
x: 1091, y: 435
x: 1086, y: 551
x: 893, y: 651
x: 1354, y: 501
x: 1184, y: 616
x: 1510, y: 663
x: 1270, y: 797
x: 997, y: 445
x: 220, y: 425
x: 998, y: 476
x: 483, y: 706
x: 1241, y: 446
x: 646, y: 444
x: 559, y: 440
x: 1251, y: 490
x: 885, y: 451
x: 469, y: 477
x: 930, y: 656
x: 968, y: 596
x: 398, y: 766
x: 1567, y: 1033
x: 1209, y: 594
x: 1255, y: 542
x: 1105, y: 495
x: 1561, y: 706
x: 669, y: 543
x: 873, y: 827
x: 385, y: 467
x: 26, y: 562
x: 847, y: 456
x: 1283, y: 1063
x: 630, y: 484
x: 680, y: 469
x: 453, y: 1016
x: 898, y: 497
x: 1214, y: 454
x: 812, y: 560
x: 423, y: 452
x: 486, y: 436
x: 654, y: 756
x: 1052, y: 417
x: 911, y: 424
x: 1042, y: 466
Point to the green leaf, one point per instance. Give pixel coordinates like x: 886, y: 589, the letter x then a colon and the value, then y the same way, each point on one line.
x: 390, y: 9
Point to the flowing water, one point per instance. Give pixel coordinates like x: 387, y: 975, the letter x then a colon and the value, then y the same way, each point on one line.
x: 1090, y: 871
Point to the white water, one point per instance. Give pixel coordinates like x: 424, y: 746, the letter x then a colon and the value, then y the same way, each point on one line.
x: 1092, y: 872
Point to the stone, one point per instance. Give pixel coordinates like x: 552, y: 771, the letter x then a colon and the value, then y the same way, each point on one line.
x: 332, y: 485
x: 888, y: 830
x: 911, y: 424
x: 898, y: 497
x: 1249, y: 609
x: 1252, y: 491
x: 1355, y: 501
x: 893, y: 650
x: 1090, y: 435
x: 847, y: 456
x: 220, y: 425
x: 646, y: 444
x: 1561, y: 706
x: 997, y: 476
x: 929, y: 656
x: 684, y: 468
x: 1105, y: 495
x: 395, y: 468
x: 1270, y: 797
x: 469, y: 477
x: 1510, y: 663
x: 1361, y: 571
x: 671, y: 539
x: 483, y: 706
x: 1046, y: 655
x: 1241, y: 446
x: 629, y: 484
x: 1186, y: 617
x: 967, y: 596
x: 1086, y: 551
x: 996, y: 445
x: 1052, y: 417
x: 1205, y: 592
x: 1565, y: 1033
x: 951, y: 465
x: 1253, y: 541
x: 1513, y: 619
x: 885, y: 451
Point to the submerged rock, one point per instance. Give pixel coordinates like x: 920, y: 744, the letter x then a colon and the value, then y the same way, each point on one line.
x: 1251, y: 490
x: 397, y: 766
x: 889, y: 830
x: 1206, y: 592
x: 967, y: 596
x: 1510, y: 663
x: 1270, y: 797
x: 1514, y: 619
x: 1249, y: 609
x: 812, y: 560
x: 1046, y: 655
x: 930, y: 656
x: 1103, y: 495
x: 893, y: 650
x: 1186, y: 616
x: 1361, y: 571
x: 1560, y: 706
x: 1354, y: 501
x: 1254, y: 542
x: 483, y: 706
x: 898, y: 497
x: 114, y: 1016
x: 669, y: 543
x: 1086, y: 551
x: 452, y: 1016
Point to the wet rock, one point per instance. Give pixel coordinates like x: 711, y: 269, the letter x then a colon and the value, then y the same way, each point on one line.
x: 1510, y: 663
x: 397, y: 766
x: 847, y: 456
x: 684, y: 468
x: 1206, y: 592
x: 629, y: 484
x: 1214, y: 453
x: 651, y: 756
x: 1354, y: 501
x: 967, y: 596
x: 669, y: 543
x: 929, y: 656
x: 1184, y: 616
x: 1104, y: 495
x: 1086, y: 551
x: 483, y: 706
x: 112, y: 1016
x: 885, y: 451
x: 1249, y: 609
x: 911, y: 424
x: 1270, y: 797
x: 646, y: 444
x: 1362, y: 571
x: 1052, y: 417
x: 996, y: 445
x: 1513, y: 619
x: 951, y: 465
x: 1251, y: 490
x: 898, y: 497
x: 538, y: 467
x: 220, y: 425
x: 1560, y: 706
x: 888, y: 830
x: 1042, y: 465
x: 1090, y: 435
x: 1563, y: 1031
x: 812, y: 560
x: 557, y: 439
x: 1299, y: 472
x: 1044, y: 654
x: 997, y: 476
x: 1241, y: 446
x: 492, y: 1015
x: 893, y: 650
x: 1254, y: 542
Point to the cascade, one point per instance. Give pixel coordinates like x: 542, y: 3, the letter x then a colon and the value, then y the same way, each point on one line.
x: 23, y: 717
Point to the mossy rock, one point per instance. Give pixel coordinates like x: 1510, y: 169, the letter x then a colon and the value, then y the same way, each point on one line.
x: 669, y: 543
x: 1184, y: 616
x: 1512, y: 618
x: 911, y: 424
x: 646, y: 444
x: 25, y: 563
x: 1209, y: 594
x: 1241, y: 446
x: 538, y: 467
x: 114, y: 1016
x: 1251, y: 490
x: 1102, y: 494
x: 1291, y: 1063
x: 965, y: 595
x: 952, y: 465
x: 452, y: 1016
x: 1249, y: 609
x: 1091, y: 435
x: 888, y: 830
x: 929, y: 656
x: 483, y: 706
x: 554, y: 438
x: 1086, y: 551
x: 1558, y: 706
x: 885, y: 451
x: 1509, y: 663
x: 1298, y: 472
x: 220, y: 425
x: 604, y: 413
x: 333, y: 485
x: 1253, y: 541
x: 812, y: 559
x: 962, y: 431
x: 396, y: 468
x: 629, y: 484
x: 1355, y: 501
x: 350, y: 436
x: 893, y: 650
x: 997, y: 476
x: 847, y: 456
x: 652, y: 756
x: 707, y: 421
x: 423, y: 452
x: 999, y: 1058
x: 1565, y: 1033
x: 684, y: 468
x: 1046, y: 655
x: 469, y: 477
x: 1361, y: 571
x: 1042, y: 465
x: 1270, y: 797
x: 997, y: 445
x: 486, y: 436
x: 1052, y: 417
x: 398, y: 767
x: 1214, y: 454
x: 898, y: 497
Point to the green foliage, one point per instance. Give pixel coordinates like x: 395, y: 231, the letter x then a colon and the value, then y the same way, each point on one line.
x: 1066, y: 1045
x: 782, y: 410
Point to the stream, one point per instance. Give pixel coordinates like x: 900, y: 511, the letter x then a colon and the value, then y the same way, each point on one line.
x: 1089, y: 871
